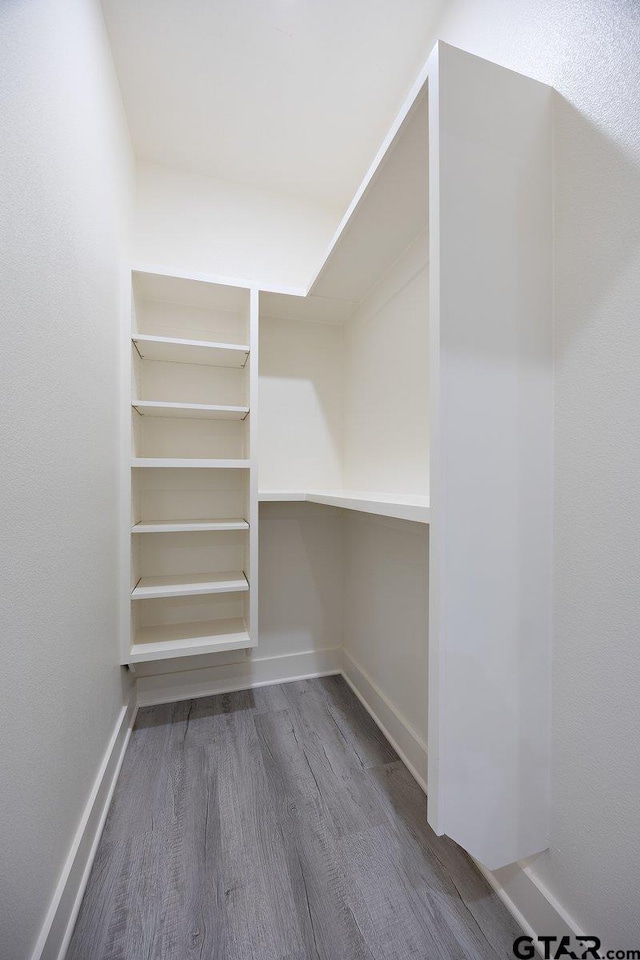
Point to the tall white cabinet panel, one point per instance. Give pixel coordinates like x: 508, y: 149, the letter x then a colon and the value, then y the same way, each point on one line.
x: 491, y: 456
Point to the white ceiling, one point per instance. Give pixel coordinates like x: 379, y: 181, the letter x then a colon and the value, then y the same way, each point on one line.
x: 288, y: 95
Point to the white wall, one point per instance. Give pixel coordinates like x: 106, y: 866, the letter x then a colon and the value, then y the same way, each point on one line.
x: 301, y: 410
x: 386, y: 383
x: 301, y: 578
x: 66, y: 173
x: 187, y: 222
x: 590, y: 52
x: 386, y: 613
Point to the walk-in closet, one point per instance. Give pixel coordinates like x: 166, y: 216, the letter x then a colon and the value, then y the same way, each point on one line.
x: 319, y: 479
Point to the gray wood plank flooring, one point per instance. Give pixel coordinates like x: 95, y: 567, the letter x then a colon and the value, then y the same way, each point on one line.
x: 278, y: 824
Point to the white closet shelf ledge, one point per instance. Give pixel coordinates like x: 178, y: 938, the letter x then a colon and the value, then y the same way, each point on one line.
x: 204, y: 352
x: 176, y: 526
x: 189, y: 585
x: 165, y: 641
x: 189, y: 411
x: 401, y: 506
x: 182, y: 462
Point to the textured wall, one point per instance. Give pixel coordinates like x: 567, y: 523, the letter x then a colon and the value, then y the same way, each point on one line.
x: 590, y: 52
x: 65, y: 171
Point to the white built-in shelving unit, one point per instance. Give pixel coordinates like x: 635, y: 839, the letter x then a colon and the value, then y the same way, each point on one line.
x: 192, y: 520
x: 431, y: 402
x: 412, y: 381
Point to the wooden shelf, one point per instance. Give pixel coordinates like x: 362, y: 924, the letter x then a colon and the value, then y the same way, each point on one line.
x: 400, y: 506
x: 189, y: 585
x: 164, y: 641
x: 177, y: 526
x: 181, y: 463
x: 189, y: 411
x: 176, y: 350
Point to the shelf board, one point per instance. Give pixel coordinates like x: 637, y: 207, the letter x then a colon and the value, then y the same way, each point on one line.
x: 189, y: 411
x: 204, y: 352
x: 389, y: 210
x: 401, y: 506
x: 189, y: 585
x: 186, y: 463
x: 410, y: 507
x: 176, y: 526
x: 273, y: 496
x: 164, y: 641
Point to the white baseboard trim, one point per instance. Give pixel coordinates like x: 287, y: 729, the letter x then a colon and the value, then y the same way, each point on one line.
x: 532, y: 906
x: 408, y: 744
x: 530, y: 903
x: 168, y: 687
x: 53, y: 941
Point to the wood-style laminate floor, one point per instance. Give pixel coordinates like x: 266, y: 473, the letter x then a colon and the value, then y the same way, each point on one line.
x: 278, y: 824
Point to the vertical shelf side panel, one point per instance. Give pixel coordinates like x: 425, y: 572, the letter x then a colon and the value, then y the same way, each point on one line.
x: 126, y: 481
x: 254, y: 359
x: 492, y: 457
x: 435, y: 785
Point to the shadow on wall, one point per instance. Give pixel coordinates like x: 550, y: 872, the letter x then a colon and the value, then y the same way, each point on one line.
x: 301, y: 581
x: 596, y: 223
x: 301, y: 372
